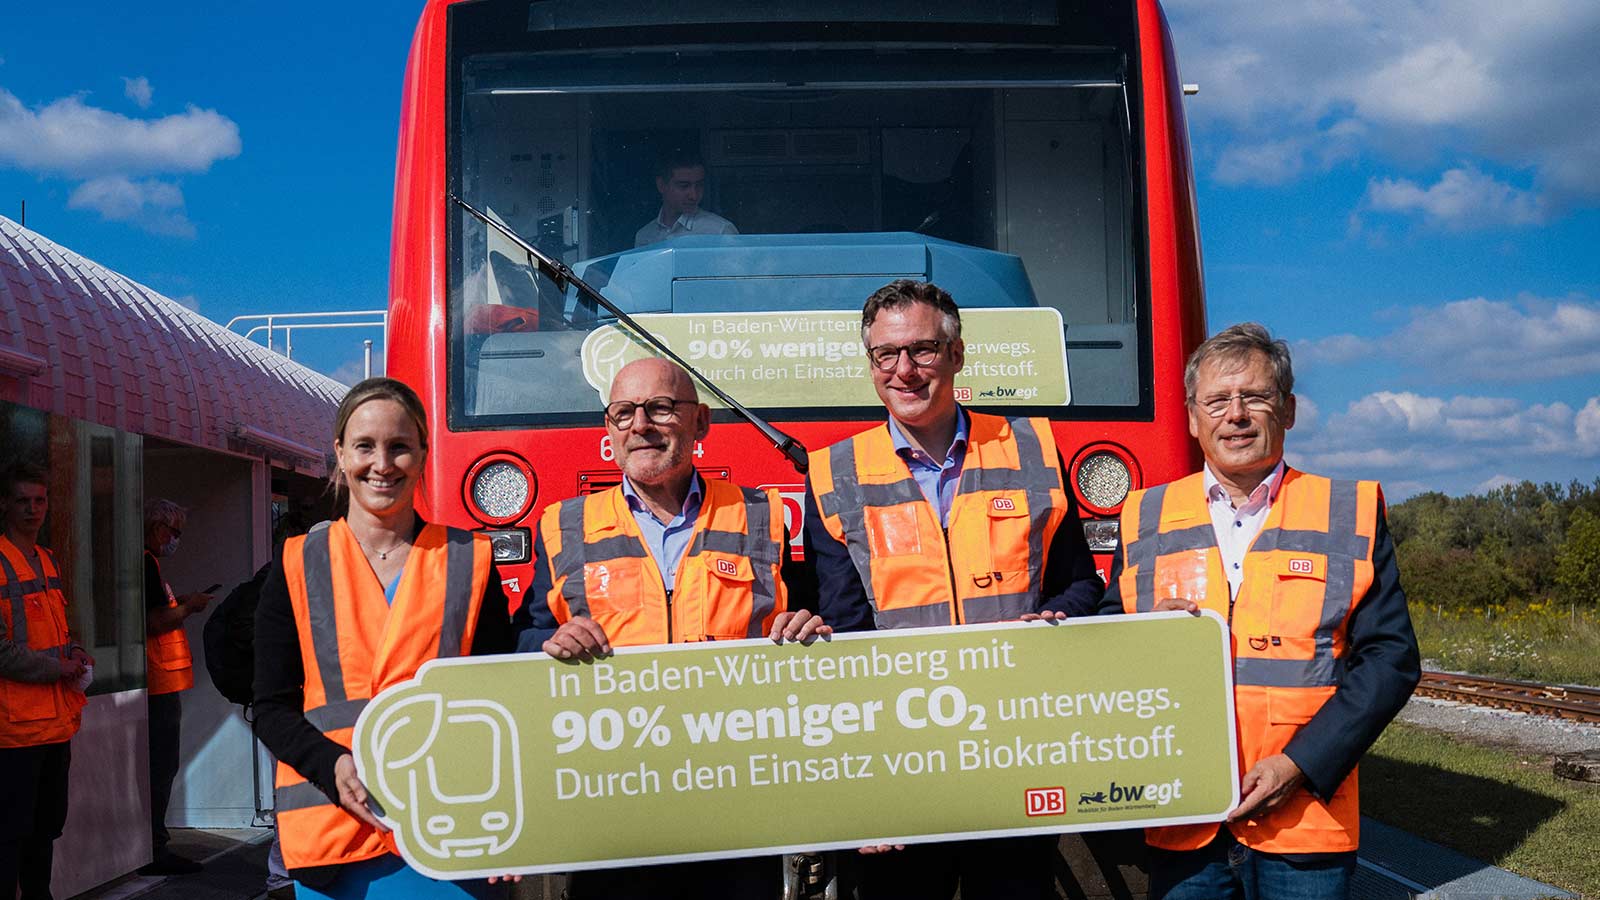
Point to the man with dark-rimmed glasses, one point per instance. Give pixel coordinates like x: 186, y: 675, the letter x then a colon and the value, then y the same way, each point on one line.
x: 664, y: 557
x: 942, y: 516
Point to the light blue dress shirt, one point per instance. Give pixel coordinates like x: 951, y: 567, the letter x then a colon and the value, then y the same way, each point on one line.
x: 666, y: 541
x: 938, y: 480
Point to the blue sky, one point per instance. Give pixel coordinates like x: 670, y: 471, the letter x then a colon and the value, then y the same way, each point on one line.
x: 1408, y: 191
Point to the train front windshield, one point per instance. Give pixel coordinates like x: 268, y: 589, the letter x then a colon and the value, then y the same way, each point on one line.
x: 1006, y: 177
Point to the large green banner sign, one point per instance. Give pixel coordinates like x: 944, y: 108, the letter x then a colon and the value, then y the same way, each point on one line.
x: 525, y: 764
x: 815, y: 358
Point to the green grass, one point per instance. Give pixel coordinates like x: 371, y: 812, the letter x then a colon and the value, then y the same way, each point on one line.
x: 1534, y: 641
x: 1500, y: 806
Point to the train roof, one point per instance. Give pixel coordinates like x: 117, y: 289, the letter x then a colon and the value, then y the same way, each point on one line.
x: 83, y: 341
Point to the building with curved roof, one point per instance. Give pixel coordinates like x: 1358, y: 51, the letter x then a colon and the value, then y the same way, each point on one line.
x: 80, y: 340
x: 124, y: 395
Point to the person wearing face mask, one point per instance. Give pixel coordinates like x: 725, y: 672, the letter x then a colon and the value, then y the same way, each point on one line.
x: 665, y: 557
x: 169, y: 672
x: 379, y: 591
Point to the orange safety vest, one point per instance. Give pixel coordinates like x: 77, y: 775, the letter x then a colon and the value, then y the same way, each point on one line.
x: 169, y: 667
x: 35, y: 613
x: 353, y: 644
x: 728, y: 585
x: 1303, y: 576
x: 989, y: 565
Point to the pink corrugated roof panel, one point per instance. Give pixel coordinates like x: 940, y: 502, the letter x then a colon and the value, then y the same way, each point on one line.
x: 117, y: 353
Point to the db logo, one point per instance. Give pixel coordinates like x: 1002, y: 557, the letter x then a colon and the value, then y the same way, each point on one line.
x: 727, y: 568
x: 963, y: 394
x: 1004, y: 504
x: 1051, y: 801
x: 1302, y: 566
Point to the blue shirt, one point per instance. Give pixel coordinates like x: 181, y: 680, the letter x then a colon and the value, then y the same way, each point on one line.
x: 938, y: 480
x: 666, y: 542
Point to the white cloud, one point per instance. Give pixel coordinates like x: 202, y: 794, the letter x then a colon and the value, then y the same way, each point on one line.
x: 1494, y: 483
x: 138, y: 90
x: 1463, y: 199
x: 1505, y: 82
x: 71, y: 138
x: 151, y: 204
x: 1483, y: 340
x: 1431, y: 439
x: 118, y: 161
x: 188, y: 301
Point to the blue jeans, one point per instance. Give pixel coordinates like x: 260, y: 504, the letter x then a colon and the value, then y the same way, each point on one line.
x: 1227, y: 870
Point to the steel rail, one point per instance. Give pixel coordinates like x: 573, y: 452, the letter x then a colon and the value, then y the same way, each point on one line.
x: 1579, y: 704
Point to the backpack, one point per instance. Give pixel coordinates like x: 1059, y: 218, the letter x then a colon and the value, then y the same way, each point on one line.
x: 229, y: 640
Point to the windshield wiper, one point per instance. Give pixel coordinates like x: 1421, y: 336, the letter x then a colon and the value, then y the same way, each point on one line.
x: 563, y: 276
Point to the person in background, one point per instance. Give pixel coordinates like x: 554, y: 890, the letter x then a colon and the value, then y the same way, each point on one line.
x: 1302, y: 568
x: 42, y: 678
x: 681, y: 182
x: 942, y: 516
x: 380, y: 591
x: 169, y: 672
x: 665, y: 557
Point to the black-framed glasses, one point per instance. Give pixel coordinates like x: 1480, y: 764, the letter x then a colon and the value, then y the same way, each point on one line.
x: 1217, y: 406
x: 886, y: 356
x: 659, y: 410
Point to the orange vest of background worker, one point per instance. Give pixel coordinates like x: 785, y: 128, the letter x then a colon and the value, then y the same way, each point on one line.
x: 169, y: 666
x: 34, y: 610
x: 353, y: 645
x: 1304, y: 575
x: 988, y: 566
x: 728, y: 585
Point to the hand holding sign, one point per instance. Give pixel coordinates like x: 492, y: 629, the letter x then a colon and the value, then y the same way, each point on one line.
x: 682, y: 752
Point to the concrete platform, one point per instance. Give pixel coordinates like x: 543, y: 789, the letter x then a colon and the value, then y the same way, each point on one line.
x: 1394, y: 865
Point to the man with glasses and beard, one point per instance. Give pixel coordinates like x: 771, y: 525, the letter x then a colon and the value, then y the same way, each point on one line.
x: 942, y: 516
x: 664, y: 557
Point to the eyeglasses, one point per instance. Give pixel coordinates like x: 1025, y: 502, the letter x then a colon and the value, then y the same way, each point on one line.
x: 886, y: 356
x: 659, y: 410
x: 1217, y: 406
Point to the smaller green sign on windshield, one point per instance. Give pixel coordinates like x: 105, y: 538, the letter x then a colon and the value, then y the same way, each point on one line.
x: 1014, y: 357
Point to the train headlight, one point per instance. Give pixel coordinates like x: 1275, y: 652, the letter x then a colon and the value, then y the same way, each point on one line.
x: 1103, y: 535
x: 511, y: 545
x: 1104, y: 479
x: 499, y: 489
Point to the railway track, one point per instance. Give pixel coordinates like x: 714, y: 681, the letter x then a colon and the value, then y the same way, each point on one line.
x: 1577, y: 704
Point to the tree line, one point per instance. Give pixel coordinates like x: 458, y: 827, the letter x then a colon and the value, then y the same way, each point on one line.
x: 1520, y: 543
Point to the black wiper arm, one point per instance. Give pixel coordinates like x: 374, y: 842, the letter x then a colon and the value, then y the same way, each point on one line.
x: 563, y: 276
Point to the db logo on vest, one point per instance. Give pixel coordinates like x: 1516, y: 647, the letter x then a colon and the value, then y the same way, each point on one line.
x: 725, y: 567
x: 1051, y: 801
x: 1004, y: 504
x: 1302, y: 566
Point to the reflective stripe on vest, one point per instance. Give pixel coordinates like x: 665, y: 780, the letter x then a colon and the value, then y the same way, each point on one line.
x: 314, y: 830
x: 36, y: 713
x: 757, y: 549
x: 169, y: 665
x: 853, y: 501
x: 1341, y: 545
x: 1310, y: 564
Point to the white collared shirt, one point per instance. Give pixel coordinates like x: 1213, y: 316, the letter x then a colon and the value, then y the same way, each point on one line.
x: 1237, y: 527
x: 698, y: 222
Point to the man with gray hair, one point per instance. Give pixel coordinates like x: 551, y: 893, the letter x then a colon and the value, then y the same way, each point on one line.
x: 1303, y: 569
x: 169, y: 671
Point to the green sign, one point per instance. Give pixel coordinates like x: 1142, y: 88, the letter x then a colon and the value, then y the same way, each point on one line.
x: 525, y: 764
x: 1014, y: 357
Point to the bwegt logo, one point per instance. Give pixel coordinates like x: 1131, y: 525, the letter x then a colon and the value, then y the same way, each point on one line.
x: 1159, y: 794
